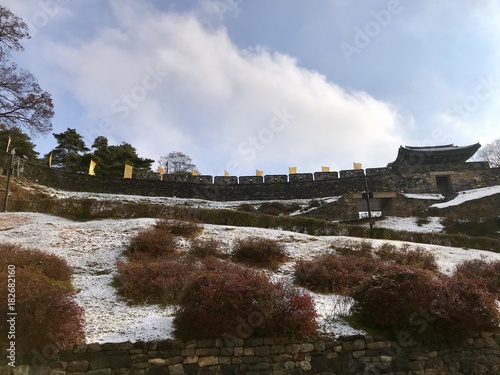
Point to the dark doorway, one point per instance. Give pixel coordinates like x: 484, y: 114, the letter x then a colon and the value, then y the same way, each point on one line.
x: 444, y: 184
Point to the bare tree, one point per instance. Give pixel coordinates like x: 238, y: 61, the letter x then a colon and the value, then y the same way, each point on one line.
x: 491, y: 153
x: 23, y: 104
x: 177, y: 162
x: 12, y: 30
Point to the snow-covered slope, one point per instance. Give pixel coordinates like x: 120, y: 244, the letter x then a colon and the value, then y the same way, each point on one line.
x: 468, y: 195
x: 92, y: 248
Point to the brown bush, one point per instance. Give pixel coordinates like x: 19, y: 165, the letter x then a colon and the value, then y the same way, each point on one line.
x: 423, y: 221
x: 390, y: 299
x: 206, y: 247
x: 47, y: 314
x: 246, y: 207
x: 417, y: 257
x: 401, y: 296
x: 228, y: 299
x: 463, y: 305
x: 183, y: 228
x: 331, y: 273
x: 259, y: 252
x: 153, y: 280
x: 292, y: 314
x: 153, y: 242
x: 278, y: 208
x: 486, y: 272
x: 50, y: 265
x: 357, y: 248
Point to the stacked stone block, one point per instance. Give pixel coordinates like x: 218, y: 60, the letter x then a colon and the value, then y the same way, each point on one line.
x: 478, y: 354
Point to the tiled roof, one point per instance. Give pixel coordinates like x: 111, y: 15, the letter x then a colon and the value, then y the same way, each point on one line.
x: 433, y: 155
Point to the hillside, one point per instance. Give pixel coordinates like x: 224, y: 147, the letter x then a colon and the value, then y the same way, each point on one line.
x: 92, y: 248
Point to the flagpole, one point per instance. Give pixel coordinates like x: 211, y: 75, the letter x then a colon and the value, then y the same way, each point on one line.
x: 9, y: 174
x: 367, y: 197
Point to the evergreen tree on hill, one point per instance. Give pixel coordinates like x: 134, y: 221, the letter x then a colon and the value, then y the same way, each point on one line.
x: 18, y: 140
x: 69, y: 153
x: 110, y: 160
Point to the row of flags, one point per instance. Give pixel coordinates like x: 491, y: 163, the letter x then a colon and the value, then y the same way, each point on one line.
x: 291, y: 170
x: 127, y: 173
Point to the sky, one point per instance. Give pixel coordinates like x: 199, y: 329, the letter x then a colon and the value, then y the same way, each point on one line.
x: 267, y: 84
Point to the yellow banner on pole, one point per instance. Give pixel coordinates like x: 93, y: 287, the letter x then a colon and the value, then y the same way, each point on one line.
x: 357, y: 165
x: 161, y: 170
x: 325, y: 169
x: 127, y: 172
x: 92, y: 167
x: 258, y: 172
x: 292, y: 170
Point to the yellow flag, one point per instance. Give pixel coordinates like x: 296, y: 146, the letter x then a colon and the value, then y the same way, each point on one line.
x: 258, y: 172
x: 50, y: 160
x: 8, y: 144
x: 226, y: 173
x: 195, y: 173
x: 357, y: 165
x: 325, y: 169
x: 127, y: 173
x: 92, y: 167
x: 292, y: 170
x: 161, y: 170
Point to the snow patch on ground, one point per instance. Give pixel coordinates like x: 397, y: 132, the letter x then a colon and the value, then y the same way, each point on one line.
x: 436, y: 197
x: 410, y: 224
x: 468, y: 195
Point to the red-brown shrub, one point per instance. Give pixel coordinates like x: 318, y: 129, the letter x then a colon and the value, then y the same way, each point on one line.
x: 417, y: 257
x: 153, y: 280
x: 331, y: 273
x: 50, y: 265
x: 357, y: 248
x: 390, y: 299
x: 183, y: 228
x: 153, y: 242
x: 226, y: 298
x: 464, y: 305
x: 487, y: 272
x: 46, y: 313
x: 205, y: 247
x: 452, y: 306
x: 259, y: 252
x: 293, y: 312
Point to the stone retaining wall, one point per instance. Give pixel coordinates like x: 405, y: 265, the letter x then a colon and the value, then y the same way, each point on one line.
x: 479, y: 354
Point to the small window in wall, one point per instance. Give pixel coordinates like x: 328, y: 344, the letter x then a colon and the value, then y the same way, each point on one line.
x: 444, y: 184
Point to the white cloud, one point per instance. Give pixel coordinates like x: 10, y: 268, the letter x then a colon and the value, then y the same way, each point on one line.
x: 166, y: 82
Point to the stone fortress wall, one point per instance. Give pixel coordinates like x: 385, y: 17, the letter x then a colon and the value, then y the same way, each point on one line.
x: 415, y: 179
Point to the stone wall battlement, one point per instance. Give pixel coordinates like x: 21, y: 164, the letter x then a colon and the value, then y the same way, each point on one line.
x: 273, y: 187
